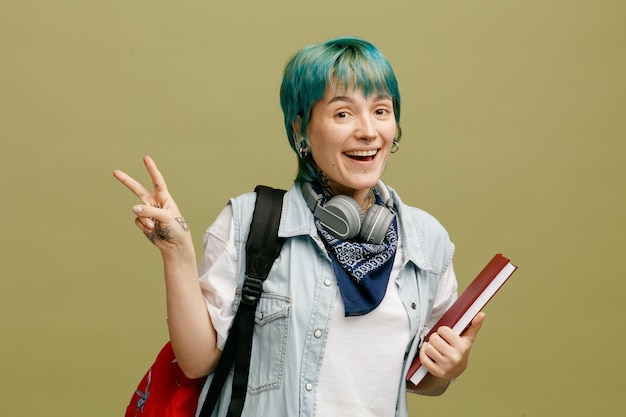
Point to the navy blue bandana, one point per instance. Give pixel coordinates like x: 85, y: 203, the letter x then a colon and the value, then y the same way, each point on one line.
x: 362, y: 269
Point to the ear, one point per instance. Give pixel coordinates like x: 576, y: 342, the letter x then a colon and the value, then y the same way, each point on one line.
x: 398, y: 132
x: 302, y: 144
x: 296, y: 126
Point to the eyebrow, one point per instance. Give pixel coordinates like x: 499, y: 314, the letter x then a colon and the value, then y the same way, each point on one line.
x: 349, y: 99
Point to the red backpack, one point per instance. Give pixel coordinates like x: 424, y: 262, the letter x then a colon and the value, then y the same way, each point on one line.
x: 165, y: 390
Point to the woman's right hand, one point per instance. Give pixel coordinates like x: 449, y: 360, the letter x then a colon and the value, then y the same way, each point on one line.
x: 158, y: 217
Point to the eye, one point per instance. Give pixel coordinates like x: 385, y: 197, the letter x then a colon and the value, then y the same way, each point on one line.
x: 341, y: 115
x: 383, y: 111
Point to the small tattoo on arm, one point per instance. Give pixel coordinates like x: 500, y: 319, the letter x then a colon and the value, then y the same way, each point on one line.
x: 182, y: 223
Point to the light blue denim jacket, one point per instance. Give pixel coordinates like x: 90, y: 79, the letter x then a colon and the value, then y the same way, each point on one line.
x: 297, y: 301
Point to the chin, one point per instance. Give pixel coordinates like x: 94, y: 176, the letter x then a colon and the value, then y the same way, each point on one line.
x: 363, y: 184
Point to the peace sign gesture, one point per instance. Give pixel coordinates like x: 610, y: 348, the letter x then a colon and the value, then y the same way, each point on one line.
x: 158, y: 217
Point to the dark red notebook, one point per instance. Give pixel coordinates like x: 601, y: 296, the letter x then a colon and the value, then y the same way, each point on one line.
x: 469, y: 303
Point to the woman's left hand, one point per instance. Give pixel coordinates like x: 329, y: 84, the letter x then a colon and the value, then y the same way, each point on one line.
x: 446, y: 354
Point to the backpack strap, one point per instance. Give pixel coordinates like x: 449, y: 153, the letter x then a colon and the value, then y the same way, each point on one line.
x: 262, y: 248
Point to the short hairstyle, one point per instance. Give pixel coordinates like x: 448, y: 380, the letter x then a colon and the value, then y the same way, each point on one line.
x: 346, y: 61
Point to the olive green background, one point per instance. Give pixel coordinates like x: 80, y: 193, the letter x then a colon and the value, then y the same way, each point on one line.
x: 514, y: 138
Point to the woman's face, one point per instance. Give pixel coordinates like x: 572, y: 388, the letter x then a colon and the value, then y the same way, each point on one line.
x: 350, y: 137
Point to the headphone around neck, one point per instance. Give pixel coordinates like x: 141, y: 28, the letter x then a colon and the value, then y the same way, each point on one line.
x: 344, y: 219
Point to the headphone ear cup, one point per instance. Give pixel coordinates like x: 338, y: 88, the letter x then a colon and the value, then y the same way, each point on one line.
x: 342, y: 217
x: 376, y: 224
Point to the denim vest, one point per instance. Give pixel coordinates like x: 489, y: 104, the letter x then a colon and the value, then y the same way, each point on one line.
x: 296, y: 303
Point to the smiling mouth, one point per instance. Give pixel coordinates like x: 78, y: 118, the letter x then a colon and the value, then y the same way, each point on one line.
x: 367, y: 155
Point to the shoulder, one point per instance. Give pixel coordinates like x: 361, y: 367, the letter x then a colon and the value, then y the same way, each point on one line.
x: 423, y: 220
x: 243, y: 209
x: 427, y: 240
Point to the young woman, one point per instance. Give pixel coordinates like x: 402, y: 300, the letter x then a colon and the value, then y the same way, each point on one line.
x: 361, y: 277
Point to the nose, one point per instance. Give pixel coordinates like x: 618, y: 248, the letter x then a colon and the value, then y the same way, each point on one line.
x: 366, y: 129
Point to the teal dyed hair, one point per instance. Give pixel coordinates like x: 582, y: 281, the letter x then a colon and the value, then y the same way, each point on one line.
x: 345, y: 61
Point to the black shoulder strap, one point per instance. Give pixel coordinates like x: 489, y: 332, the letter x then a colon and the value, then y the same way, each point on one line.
x: 262, y: 248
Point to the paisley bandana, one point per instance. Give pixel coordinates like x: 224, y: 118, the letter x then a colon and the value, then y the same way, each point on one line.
x: 362, y: 269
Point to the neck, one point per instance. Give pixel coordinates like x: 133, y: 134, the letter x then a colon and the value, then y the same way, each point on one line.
x: 365, y: 198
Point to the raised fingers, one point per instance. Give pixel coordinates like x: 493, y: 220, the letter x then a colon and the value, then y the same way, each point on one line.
x: 134, y: 186
x: 157, y: 178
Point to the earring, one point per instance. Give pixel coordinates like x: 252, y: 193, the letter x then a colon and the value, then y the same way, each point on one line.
x: 394, y: 146
x: 303, y: 150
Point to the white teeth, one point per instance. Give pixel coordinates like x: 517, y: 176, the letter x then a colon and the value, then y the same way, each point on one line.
x: 370, y: 152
